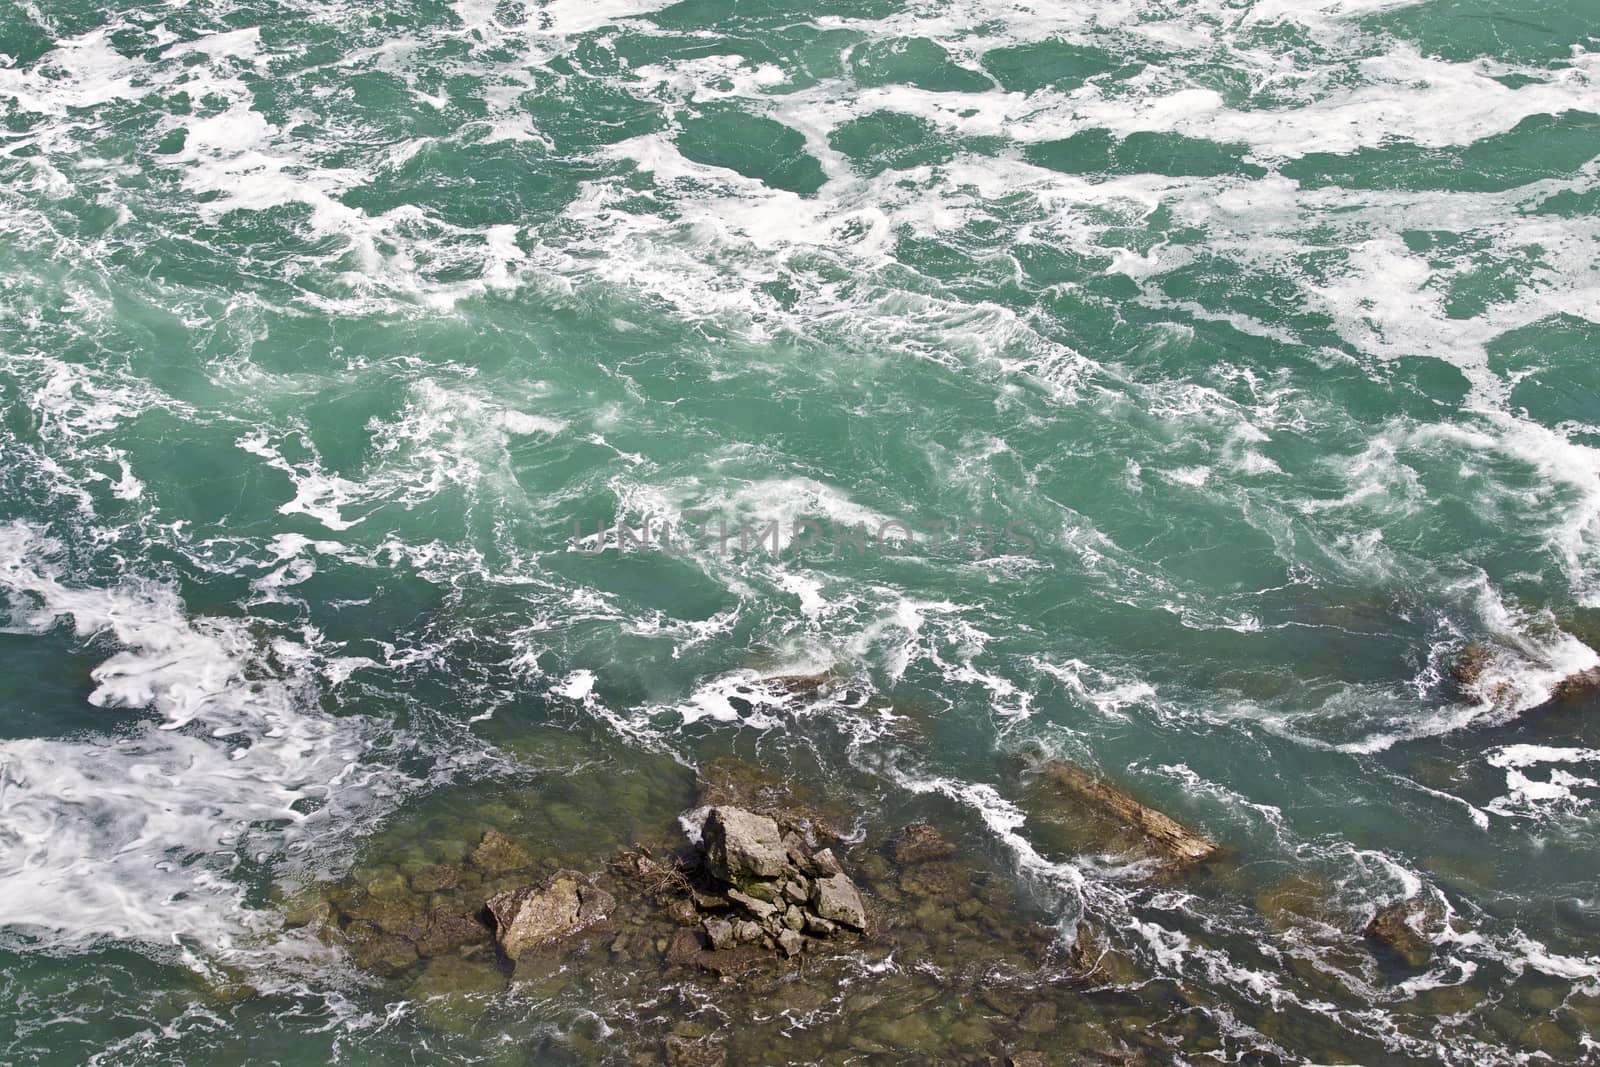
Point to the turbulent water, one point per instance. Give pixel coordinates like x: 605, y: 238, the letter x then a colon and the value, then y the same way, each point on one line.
x: 336, y: 339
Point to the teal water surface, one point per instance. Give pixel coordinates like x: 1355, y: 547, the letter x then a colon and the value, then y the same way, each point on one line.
x: 1271, y: 326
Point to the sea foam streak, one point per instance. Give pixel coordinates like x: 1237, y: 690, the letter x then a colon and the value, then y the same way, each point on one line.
x: 139, y: 833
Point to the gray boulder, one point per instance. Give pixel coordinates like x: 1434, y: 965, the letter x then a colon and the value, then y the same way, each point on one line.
x: 837, y: 900
x: 743, y: 847
x: 720, y: 931
x: 761, y: 909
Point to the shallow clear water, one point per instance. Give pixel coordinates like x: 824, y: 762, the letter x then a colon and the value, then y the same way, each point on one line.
x: 1271, y: 327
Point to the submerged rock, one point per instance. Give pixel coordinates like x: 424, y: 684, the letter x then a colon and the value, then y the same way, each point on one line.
x: 930, y: 880
x: 691, y: 949
x: 374, y: 950
x: 1474, y: 679
x: 919, y: 843
x: 1576, y: 685
x: 1470, y: 663
x: 308, y: 906
x: 445, y: 931
x: 538, y: 915
x: 1038, y: 1018
x: 1302, y: 898
x: 1160, y: 834
x: 435, y: 878
x: 691, y: 1052
x: 497, y: 854
x: 1405, y: 928
x: 453, y: 992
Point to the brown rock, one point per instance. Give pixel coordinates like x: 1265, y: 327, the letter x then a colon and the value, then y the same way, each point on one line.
x: 445, y: 930
x: 435, y: 878
x: 826, y: 863
x: 497, y: 853
x: 1405, y: 927
x: 1162, y: 834
x: 1576, y: 685
x: 689, y: 1052
x: 919, y: 843
x: 536, y: 915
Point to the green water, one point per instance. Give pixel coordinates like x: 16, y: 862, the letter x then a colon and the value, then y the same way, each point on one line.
x: 1270, y: 326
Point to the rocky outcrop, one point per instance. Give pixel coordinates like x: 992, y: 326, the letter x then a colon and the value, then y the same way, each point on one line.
x: 734, y: 784
x: 536, y: 916
x: 1474, y: 679
x: 760, y: 888
x: 1160, y: 834
x: 1576, y: 685
x: 1406, y: 929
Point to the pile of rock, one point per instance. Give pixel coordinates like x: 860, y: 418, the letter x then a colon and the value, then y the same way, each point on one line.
x: 771, y: 886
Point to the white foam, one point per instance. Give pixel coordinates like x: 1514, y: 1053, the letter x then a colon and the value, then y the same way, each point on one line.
x: 1108, y: 693
x: 1005, y: 820
x: 134, y: 835
x: 1557, y: 794
x: 567, y: 17
x: 576, y: 686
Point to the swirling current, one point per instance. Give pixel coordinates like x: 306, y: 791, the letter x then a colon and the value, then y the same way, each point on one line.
x: 432, y: 419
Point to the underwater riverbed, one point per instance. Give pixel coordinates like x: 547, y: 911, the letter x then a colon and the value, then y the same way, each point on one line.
x: 435, y: 433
